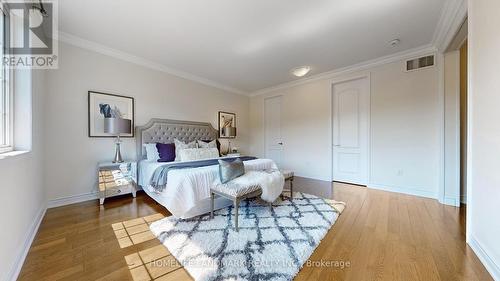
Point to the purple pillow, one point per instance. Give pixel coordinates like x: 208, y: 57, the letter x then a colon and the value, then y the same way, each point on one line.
x: 166, y: 152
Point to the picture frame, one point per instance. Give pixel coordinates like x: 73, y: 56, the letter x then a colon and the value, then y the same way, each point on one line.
x: 122, y: 104
x: 223, y: 119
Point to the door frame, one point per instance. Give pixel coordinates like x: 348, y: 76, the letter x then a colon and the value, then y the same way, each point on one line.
x: 265, y: 118
x: 344, y: 79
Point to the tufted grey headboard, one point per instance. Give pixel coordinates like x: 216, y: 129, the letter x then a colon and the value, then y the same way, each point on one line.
x: 165, y: 131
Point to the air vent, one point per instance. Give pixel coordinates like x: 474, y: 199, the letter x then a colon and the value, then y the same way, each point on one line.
x: 419, y: 63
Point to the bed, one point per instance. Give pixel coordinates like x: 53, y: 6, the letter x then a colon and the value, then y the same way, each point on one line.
x: 187, y: 193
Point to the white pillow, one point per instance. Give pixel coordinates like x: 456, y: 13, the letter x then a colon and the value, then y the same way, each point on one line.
x: 212, y: 144
x: 182, y: 145
x: 151, y: 152
x: 192, y: 154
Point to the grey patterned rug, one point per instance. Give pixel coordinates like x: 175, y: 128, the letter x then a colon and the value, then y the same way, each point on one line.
x: 270, y: 245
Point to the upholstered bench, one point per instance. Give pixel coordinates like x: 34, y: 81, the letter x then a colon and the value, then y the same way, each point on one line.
x: 236, y: 193
x: 288, y: 175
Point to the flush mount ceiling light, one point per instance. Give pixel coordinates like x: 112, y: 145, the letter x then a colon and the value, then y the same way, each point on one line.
x: 395, y: 42
x: 300, y: 71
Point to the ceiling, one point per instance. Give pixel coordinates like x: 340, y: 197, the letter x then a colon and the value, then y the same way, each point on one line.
x: 252, y: 45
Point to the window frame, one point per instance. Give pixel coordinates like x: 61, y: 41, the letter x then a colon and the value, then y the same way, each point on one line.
x: 6, y: 97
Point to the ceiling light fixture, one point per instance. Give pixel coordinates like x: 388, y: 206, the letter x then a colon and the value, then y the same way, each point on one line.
x: 300, y: 71
x: 394, y: 42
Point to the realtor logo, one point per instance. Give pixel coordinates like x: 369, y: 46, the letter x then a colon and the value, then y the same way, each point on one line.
x: 29, y: 29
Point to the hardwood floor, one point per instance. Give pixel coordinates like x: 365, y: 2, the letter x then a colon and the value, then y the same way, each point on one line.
x: 379, y: 236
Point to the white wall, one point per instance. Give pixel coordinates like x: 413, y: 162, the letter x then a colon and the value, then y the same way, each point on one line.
x: 23, y: 196
x: 483, y: 178
x: 72, y: 156
x: 306, y: 133
x: 405, y: 129
x: 452, y: 128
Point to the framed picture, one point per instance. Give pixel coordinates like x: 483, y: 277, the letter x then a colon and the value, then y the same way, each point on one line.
x: 227, y: 120
x: 101, y: 104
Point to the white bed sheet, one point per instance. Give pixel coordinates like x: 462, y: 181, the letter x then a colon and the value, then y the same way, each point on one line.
x: 187, y: 193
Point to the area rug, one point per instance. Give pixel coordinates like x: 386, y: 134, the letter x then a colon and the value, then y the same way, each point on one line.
x: 270, y: 245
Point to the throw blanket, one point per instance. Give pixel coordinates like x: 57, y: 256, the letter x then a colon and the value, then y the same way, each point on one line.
x: 271, y: 182
x: 160, y: 176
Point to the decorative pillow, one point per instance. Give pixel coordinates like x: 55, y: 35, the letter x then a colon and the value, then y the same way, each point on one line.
x: 192, y: 154
x: 182, y: 145
x: 207, y: 144
x: 151, y: 152
x: 229, y: 170
x: 166, y: 152
x: 201, y: 143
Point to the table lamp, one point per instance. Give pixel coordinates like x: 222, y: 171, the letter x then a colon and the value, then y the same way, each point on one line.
x: 117, y: 127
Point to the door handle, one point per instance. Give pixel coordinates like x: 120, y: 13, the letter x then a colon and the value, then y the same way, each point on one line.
x: 280, y: 143
x: 336, y: 145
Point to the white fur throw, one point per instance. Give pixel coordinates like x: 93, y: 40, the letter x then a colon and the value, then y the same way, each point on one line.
x: 270, y: 181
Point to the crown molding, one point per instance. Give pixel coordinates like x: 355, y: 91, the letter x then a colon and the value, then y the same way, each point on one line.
x: 422, y: 50
x: 452, y: 17
x: 99, y: 48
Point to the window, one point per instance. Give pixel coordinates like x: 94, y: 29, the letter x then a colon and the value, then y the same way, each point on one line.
x: 5, y: 93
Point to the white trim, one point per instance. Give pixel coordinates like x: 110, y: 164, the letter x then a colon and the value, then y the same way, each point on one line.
x: 16, y: 267
x: 404, y: 190
x: 423, y: 50
x: 63, y: 201
x: 99, y: 48
x: 452, y: 201
x: 452, y: 16
x: 470, y: 108
x: 312, y: 177
x: 488, y: 262
x: 458, y: 140
x: 442, y: 142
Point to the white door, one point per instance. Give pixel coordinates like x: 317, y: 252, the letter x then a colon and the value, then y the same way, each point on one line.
x: 272, y: 119
x: 351, y: 113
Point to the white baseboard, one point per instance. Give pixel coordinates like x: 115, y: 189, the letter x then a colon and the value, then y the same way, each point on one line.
x: 72, y: 199
x: 28, y: 240
x: 492, y: 267
x: 452, y: 201
x: 313, y: 177
x: 404, y: 190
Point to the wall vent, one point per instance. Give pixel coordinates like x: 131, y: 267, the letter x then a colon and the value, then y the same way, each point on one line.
x: 419, y: 63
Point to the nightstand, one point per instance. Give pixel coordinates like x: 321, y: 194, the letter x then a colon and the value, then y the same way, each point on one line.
x: 117, y: 179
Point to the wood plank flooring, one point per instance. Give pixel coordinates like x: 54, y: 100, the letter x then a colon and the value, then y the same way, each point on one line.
x: 380, y: 236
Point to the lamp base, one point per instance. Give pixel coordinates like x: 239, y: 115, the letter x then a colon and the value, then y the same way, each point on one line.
x: 118, y: 155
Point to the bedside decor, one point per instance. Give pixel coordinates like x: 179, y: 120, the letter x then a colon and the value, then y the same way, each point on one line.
x: 101, y: 106
x: 227, y: 125
x: 116, y: 179
x: 117, y: 127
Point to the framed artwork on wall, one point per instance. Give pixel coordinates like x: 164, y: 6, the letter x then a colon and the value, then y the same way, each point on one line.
x: 227, y: 125
x: 103, y: 105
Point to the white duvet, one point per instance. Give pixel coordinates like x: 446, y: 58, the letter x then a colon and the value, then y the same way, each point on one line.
x: 187, y: 192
